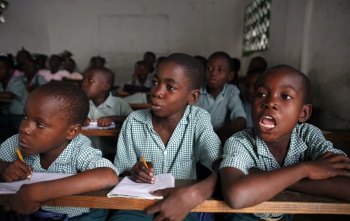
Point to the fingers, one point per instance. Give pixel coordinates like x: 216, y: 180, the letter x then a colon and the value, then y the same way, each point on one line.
x: 141, y: 174
x: 17, y: 170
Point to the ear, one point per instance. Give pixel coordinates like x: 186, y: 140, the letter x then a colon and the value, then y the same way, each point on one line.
x: 193, y: 96
x: 231, y: 75
x: 73, y: 131
x: 305, y: 113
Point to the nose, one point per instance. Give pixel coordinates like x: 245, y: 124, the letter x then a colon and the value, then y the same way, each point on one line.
x: 271, y: 103
x: 24, y: 128
x: 157, y: 91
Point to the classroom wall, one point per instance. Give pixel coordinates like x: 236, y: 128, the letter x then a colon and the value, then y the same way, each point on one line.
x: 121, y: 31
x: 312, y: 35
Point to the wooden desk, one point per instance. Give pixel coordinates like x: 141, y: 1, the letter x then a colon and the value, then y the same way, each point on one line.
x: 337, y: 134
x: 287, y: 202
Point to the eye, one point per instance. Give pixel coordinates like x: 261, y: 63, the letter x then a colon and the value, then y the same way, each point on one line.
x: 260, y: 94
x: 154, y: 82
x: 25, y: 117
x: 221, y: 70
x: 40, y: 125
x: 209, y: 69
x: 287, y: 97
x: 170, y: 87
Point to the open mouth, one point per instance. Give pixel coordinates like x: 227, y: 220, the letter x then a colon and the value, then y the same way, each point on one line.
x: 268, y: 122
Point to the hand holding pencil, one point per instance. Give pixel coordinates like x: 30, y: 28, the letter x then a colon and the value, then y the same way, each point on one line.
x: 142, y: 172
x: 21, y: 158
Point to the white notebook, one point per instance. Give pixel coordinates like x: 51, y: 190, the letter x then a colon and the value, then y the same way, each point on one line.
x: 93, y: 126
x: 130, y: 189
x: 13, y: 187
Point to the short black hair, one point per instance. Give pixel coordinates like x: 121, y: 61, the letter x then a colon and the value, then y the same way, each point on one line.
x: 224, y: 55
x: 106, y: 72
x: 193, y: 69
x: 306, y: 83
x: 72, y: 101
x: 151, y: 54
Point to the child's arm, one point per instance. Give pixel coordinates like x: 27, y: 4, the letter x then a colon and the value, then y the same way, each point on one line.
x: 7, y: 95
x: 241, y: 190
x: 178, y: 202
x: 107, y: 121
x: 29, y: 198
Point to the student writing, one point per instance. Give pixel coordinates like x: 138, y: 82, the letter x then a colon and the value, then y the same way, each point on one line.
x: 50, y: 141
x: 172, y: 135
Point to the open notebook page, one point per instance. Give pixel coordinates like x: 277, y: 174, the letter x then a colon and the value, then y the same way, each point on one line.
x: 13, y: 187
x: 128, y: 188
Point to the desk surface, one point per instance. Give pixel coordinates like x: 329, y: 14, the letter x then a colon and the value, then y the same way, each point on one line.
x: 287, y: 202
x: 102, y: 132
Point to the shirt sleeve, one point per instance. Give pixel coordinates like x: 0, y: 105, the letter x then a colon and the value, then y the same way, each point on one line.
x: 125, y: 108
x: 238, y: 153
x: 8, y: 149
x: 208, y: 144
x: 316, y: 142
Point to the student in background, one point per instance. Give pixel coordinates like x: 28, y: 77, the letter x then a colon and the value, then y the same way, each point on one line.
x: 32, y: 79
x: 236, y: 68
x: 172, y: 135
x: 221, y: 99
x: 150, y: 59
x: 70, y: 66
x: 257, y: 62
x: 104, y: 107
x: 55, y: 73
x: 14, y: 91
x: 50, y: 141
x: 281, y: 151
x: 140, y: 75
x: 21, y: 57
x: 250, y: 80
x: 97, y: 61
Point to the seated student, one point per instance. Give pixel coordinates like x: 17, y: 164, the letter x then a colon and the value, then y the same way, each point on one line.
x: 21, y: 57
x: 55, y: 73
x: 50, y: 141
x: 221, y: 99
x: 281, y: 152
x: 32, y: 79
x: 140, y: 75
x: 70, y: 66
x: 172, y: 135
x: 257, y: 62
x: 104, y: 107
x: 97, y: 61
x: 248, y: 93
x: 12, y: 89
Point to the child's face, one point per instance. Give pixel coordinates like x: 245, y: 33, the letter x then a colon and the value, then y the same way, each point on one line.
x: 44, y: 128
x: 218, y: 73
x: 249, y: 86
x: 171, y: 91
x: 142, y: 72
x: 30, y: 68
x: 55, y: 62
x: 278, y: 105
x: 94, y: 84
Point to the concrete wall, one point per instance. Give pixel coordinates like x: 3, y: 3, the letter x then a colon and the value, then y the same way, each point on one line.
x: 312, y: 35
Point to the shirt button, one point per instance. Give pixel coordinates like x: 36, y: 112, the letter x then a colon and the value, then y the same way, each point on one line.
x: 164, y: 153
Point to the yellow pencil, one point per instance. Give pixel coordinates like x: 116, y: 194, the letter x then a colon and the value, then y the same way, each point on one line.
x: 144, y: 162
x: 21, y: 158
x: 20, y: 155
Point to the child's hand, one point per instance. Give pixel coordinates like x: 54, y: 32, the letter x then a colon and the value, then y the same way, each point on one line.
x: 328, y: 165
x: 23, y: 202
x: 87, y: 122
x: 176, y: 205
x: 16, y: 170
x: 104, y: 121
x: 139, y: 172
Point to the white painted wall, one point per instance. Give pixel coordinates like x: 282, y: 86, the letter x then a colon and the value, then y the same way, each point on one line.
x: 312, y: 35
